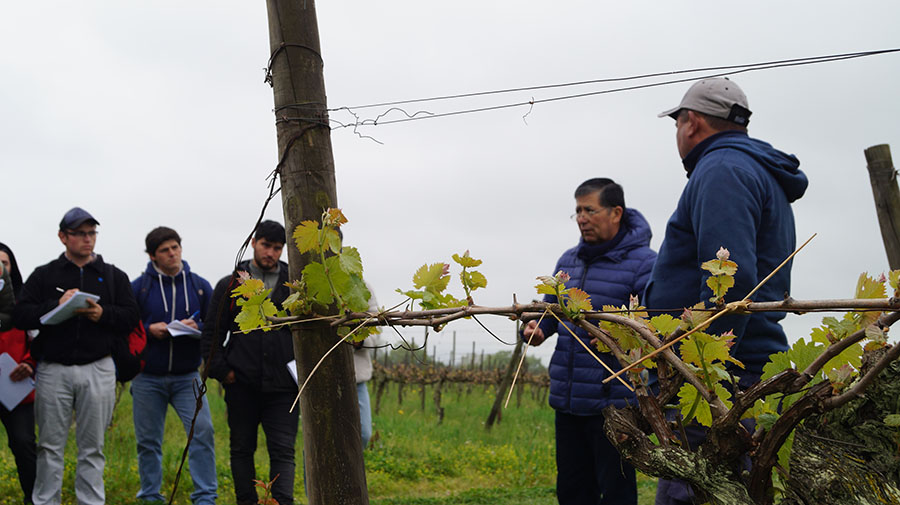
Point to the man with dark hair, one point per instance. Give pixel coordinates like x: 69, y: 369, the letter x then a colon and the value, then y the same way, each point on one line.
x: 166, y: 292
x: 738, y: 196
x: 252, y: 367
x: 75, y: 373
x: 611, y: 262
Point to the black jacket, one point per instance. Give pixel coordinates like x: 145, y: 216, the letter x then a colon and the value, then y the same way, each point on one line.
x: 76, y: 341
x: 258, y: 358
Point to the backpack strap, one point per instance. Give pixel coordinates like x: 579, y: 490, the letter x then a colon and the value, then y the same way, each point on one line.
x: 144, y: 290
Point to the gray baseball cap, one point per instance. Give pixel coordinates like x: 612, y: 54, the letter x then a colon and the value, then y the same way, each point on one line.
x: 716, y: 97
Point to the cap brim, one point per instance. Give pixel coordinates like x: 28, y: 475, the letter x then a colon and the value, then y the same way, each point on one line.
x: 80, y: 222
x: 672, y: 113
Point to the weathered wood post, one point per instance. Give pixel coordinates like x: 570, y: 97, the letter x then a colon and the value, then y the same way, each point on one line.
x: 504, y: 385
x: 887, y: 199
x: 331, y: 439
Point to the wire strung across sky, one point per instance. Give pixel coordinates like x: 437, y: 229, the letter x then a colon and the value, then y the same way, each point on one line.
x: 709, y: 72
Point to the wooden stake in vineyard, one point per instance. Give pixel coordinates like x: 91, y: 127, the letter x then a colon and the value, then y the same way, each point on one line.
x: 883, y: 177
x: 329, y: 410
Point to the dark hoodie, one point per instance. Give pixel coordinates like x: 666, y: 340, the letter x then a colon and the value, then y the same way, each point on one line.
x: 163, y: 298
x: 738, y: 196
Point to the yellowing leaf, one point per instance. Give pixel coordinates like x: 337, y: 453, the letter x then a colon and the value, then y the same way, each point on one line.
x: 431, y: 278
x: 867, y: 287
x: 720, y: 267
x: 719, y: 285
x: 333, y: 218
x: 544, y: 289
x: 473, y: 280
x: 702, y: 348
x: 466, y: 261
x: 248, y: 288
x: 695, y: 315
x: 306, y: 236
x: 579, y: 301
x: 664, y: 324
x: 894, y: 279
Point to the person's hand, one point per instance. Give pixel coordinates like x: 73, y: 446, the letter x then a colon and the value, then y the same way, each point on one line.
x: 158, y: 330
x: 229, y: 379
x: 21, y: 372
x: 93, y: 311
x: 532, y: 332
x: 191, y: 323
x: 68, y: 294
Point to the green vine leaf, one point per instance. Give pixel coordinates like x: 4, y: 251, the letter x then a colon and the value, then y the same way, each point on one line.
x: 317, y: 286
x: 350, y: 261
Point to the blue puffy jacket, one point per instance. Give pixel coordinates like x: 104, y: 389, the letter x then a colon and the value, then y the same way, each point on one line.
x: 610, y: 278
x: 165, y: 298
x: 738, y: 196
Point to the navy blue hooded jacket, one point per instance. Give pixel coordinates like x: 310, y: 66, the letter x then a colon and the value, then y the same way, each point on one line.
x: 738, y: 196
x: 610, y: 278
x: 163, y: 298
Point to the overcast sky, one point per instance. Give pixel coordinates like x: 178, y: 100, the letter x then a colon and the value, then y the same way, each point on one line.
x: 156, y: 113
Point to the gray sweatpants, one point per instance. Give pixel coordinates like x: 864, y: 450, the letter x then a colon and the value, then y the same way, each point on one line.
x: 90, y: 392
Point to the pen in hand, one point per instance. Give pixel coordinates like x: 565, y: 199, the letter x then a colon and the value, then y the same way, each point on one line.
x: 194, y: 315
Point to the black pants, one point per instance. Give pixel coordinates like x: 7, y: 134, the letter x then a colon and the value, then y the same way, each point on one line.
x: 19, y: 424
x: 247, y: 409
x: 589, y: 469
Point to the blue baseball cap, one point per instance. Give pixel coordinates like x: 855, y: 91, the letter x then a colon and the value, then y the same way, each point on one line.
x: 75, y: 218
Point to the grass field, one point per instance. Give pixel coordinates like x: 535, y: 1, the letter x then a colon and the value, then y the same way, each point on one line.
x: 411, y: 460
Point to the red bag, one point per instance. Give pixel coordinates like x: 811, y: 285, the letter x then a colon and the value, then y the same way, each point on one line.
x: 128, y: 354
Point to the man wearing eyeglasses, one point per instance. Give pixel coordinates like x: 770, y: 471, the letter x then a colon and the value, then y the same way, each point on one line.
x: 75, y: 372
x: 611, y: 262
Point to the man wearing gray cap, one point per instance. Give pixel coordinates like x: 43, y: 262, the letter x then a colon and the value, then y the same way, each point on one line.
x: 75, y: 373
x: 738, y: 196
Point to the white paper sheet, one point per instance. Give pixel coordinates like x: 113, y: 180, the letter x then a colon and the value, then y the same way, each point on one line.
x: 292, y: 367
x: 177, y: 329
x: 12, y: 393
x: 67, y: 309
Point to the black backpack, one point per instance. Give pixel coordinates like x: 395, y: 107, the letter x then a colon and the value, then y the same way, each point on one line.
x: 128, y: 353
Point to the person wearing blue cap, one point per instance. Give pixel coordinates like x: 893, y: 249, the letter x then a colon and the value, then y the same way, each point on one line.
x: 76, y: 376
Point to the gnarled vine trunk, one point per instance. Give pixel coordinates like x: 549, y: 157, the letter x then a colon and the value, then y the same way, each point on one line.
x: 844, y: 456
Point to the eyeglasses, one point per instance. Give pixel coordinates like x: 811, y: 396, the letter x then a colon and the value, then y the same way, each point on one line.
x: 589, y: 211
x: 82, y: 234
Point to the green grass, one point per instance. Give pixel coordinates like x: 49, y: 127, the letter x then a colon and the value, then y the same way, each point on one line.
x: 412, y: 460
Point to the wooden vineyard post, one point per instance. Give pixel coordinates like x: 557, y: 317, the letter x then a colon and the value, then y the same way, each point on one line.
x: 506, y: 382
x: 330, y: 413
x: 887, y: 199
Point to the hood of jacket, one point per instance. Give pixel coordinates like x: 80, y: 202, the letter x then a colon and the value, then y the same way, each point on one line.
x: 784, y: 168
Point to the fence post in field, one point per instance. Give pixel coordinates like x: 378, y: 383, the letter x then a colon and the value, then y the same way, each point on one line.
x: 883, y: 177
x: 453, y: 352
x: 506, y: 382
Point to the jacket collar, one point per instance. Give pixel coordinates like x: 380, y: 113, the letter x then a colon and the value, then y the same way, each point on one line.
x: 690, y: 161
